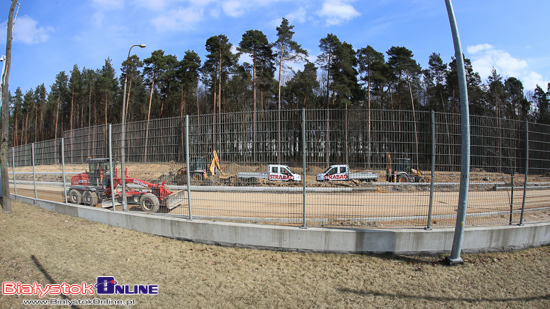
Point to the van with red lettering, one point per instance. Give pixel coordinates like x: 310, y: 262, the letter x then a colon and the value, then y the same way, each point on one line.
x: 341, y: 172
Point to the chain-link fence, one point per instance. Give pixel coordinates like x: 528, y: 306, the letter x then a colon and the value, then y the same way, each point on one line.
x: 326, y: 167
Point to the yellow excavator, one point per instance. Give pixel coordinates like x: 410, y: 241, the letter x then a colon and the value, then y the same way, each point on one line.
x: 402, y: 171
x: 198, y: 169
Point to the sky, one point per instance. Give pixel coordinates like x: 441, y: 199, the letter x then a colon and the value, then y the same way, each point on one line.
x: 51, y: 36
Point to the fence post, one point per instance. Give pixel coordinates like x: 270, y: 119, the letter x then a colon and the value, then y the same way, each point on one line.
x: 429, y: 226
x: 187, y: 166
x: 511, y: 196
x: 111, y: 166
x: 34, y: 173
x: 304, y: 168
x: 14, y: 181
x: 63, y: 168
x: 526, y: 171
x: 458, y: 237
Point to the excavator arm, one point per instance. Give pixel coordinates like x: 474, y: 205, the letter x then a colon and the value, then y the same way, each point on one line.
x: 215, y: 163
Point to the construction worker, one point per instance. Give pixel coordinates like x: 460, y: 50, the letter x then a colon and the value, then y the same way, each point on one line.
x: 100, y: 175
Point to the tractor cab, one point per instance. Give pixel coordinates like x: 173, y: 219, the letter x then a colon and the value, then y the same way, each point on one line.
x: 100, y: 172
x: 403, y: 165
x: 198, y: 164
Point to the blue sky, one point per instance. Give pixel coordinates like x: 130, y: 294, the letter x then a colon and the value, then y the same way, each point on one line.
x: 51, y: 36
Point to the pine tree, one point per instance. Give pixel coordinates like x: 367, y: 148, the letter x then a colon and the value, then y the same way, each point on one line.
x: 371, y: 65
x: 255, y: 43
x: 287, y: 51
x: 220, y: 63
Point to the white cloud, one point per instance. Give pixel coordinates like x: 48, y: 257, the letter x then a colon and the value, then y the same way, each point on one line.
x: 485, y: 57
x: 533, y: 79
x: 156, y: 6
x: 236, y: 8
x: 161, y: 5
x: 478, y: 48
x: 338, y: 11
x: 26, y: 30
x: 299, y: 15
x: 233, y: 8
x: 103, y: 6
x: 214, y: 13
x: 178, y: 20
x: 199, y: 2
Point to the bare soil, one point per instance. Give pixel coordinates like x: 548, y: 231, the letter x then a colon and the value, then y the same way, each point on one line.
x: 371, y: 204
x: 49, y: 248
x: 165, y: 172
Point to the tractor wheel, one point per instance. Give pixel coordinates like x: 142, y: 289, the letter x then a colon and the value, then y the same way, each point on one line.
x: 402, y: 178
x: 149, y: 203
x: 421, y: 180
x: 89, y: 198
x: 75, y: 196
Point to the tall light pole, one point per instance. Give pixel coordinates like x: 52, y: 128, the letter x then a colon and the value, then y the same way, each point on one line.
x: 123, y: 134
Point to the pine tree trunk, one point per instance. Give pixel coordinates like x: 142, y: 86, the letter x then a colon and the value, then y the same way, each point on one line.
x: 414, y: 120
x: 254, y: 117
x: 43, y: 138
x: 57, y: 117
x: 369, y: 146
x: 15, y: 125
x: 148, y: 118
x: 128, y: 101
x: 198, y: 112
x: 36, y: 122
x: 279, y: 108
x: 105, y: 108
x: 26, y: 127
x: 6, y: 201
x: 219, y: 102
x: 90, y: 106
x: 71, y: 116
x: 327, y: 137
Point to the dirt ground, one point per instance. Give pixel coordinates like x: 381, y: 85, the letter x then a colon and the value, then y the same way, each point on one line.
x: 50, y: 248
x: 164, y: 172
x: 377, y: 204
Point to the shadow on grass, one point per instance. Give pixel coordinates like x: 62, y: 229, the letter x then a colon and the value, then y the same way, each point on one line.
x: 445, y: 299
x: 48, y: 277
x: 429, y: 259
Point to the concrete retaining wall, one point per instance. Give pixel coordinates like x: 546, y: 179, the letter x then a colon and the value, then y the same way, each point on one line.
x: 335, y: 240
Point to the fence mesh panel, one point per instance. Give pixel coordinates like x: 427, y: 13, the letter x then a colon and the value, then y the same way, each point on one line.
x: 261, y: 157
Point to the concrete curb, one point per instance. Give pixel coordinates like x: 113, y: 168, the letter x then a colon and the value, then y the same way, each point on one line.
x: 329, y: 240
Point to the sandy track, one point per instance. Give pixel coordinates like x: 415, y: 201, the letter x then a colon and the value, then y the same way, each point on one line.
x: 336, y: 208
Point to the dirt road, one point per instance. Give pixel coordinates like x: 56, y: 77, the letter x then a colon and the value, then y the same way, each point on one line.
x: 343, y: 208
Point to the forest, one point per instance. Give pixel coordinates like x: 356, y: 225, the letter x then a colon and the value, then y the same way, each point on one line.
x: 343, y: 76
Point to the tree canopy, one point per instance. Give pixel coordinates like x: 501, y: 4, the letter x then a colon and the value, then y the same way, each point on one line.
x: 343, y: 76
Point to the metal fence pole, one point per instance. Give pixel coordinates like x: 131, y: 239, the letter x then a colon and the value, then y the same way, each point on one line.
x: 511, y: 196
x: 429, y: 226
x: 187, y: 166
x: 526, y: 170
x: 304, y: 168
x: 111, y: 166
x: 14, y: 181
x: 34, y: 173
x: 455, y: 258
x: 63, y: 169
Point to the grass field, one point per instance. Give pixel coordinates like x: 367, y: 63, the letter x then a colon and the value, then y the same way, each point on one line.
x: 49, y: 248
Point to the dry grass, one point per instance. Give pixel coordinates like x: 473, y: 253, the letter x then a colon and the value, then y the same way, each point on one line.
x: 40, y: 246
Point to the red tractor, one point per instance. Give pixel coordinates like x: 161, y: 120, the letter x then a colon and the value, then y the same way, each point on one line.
x: 94, y: 186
